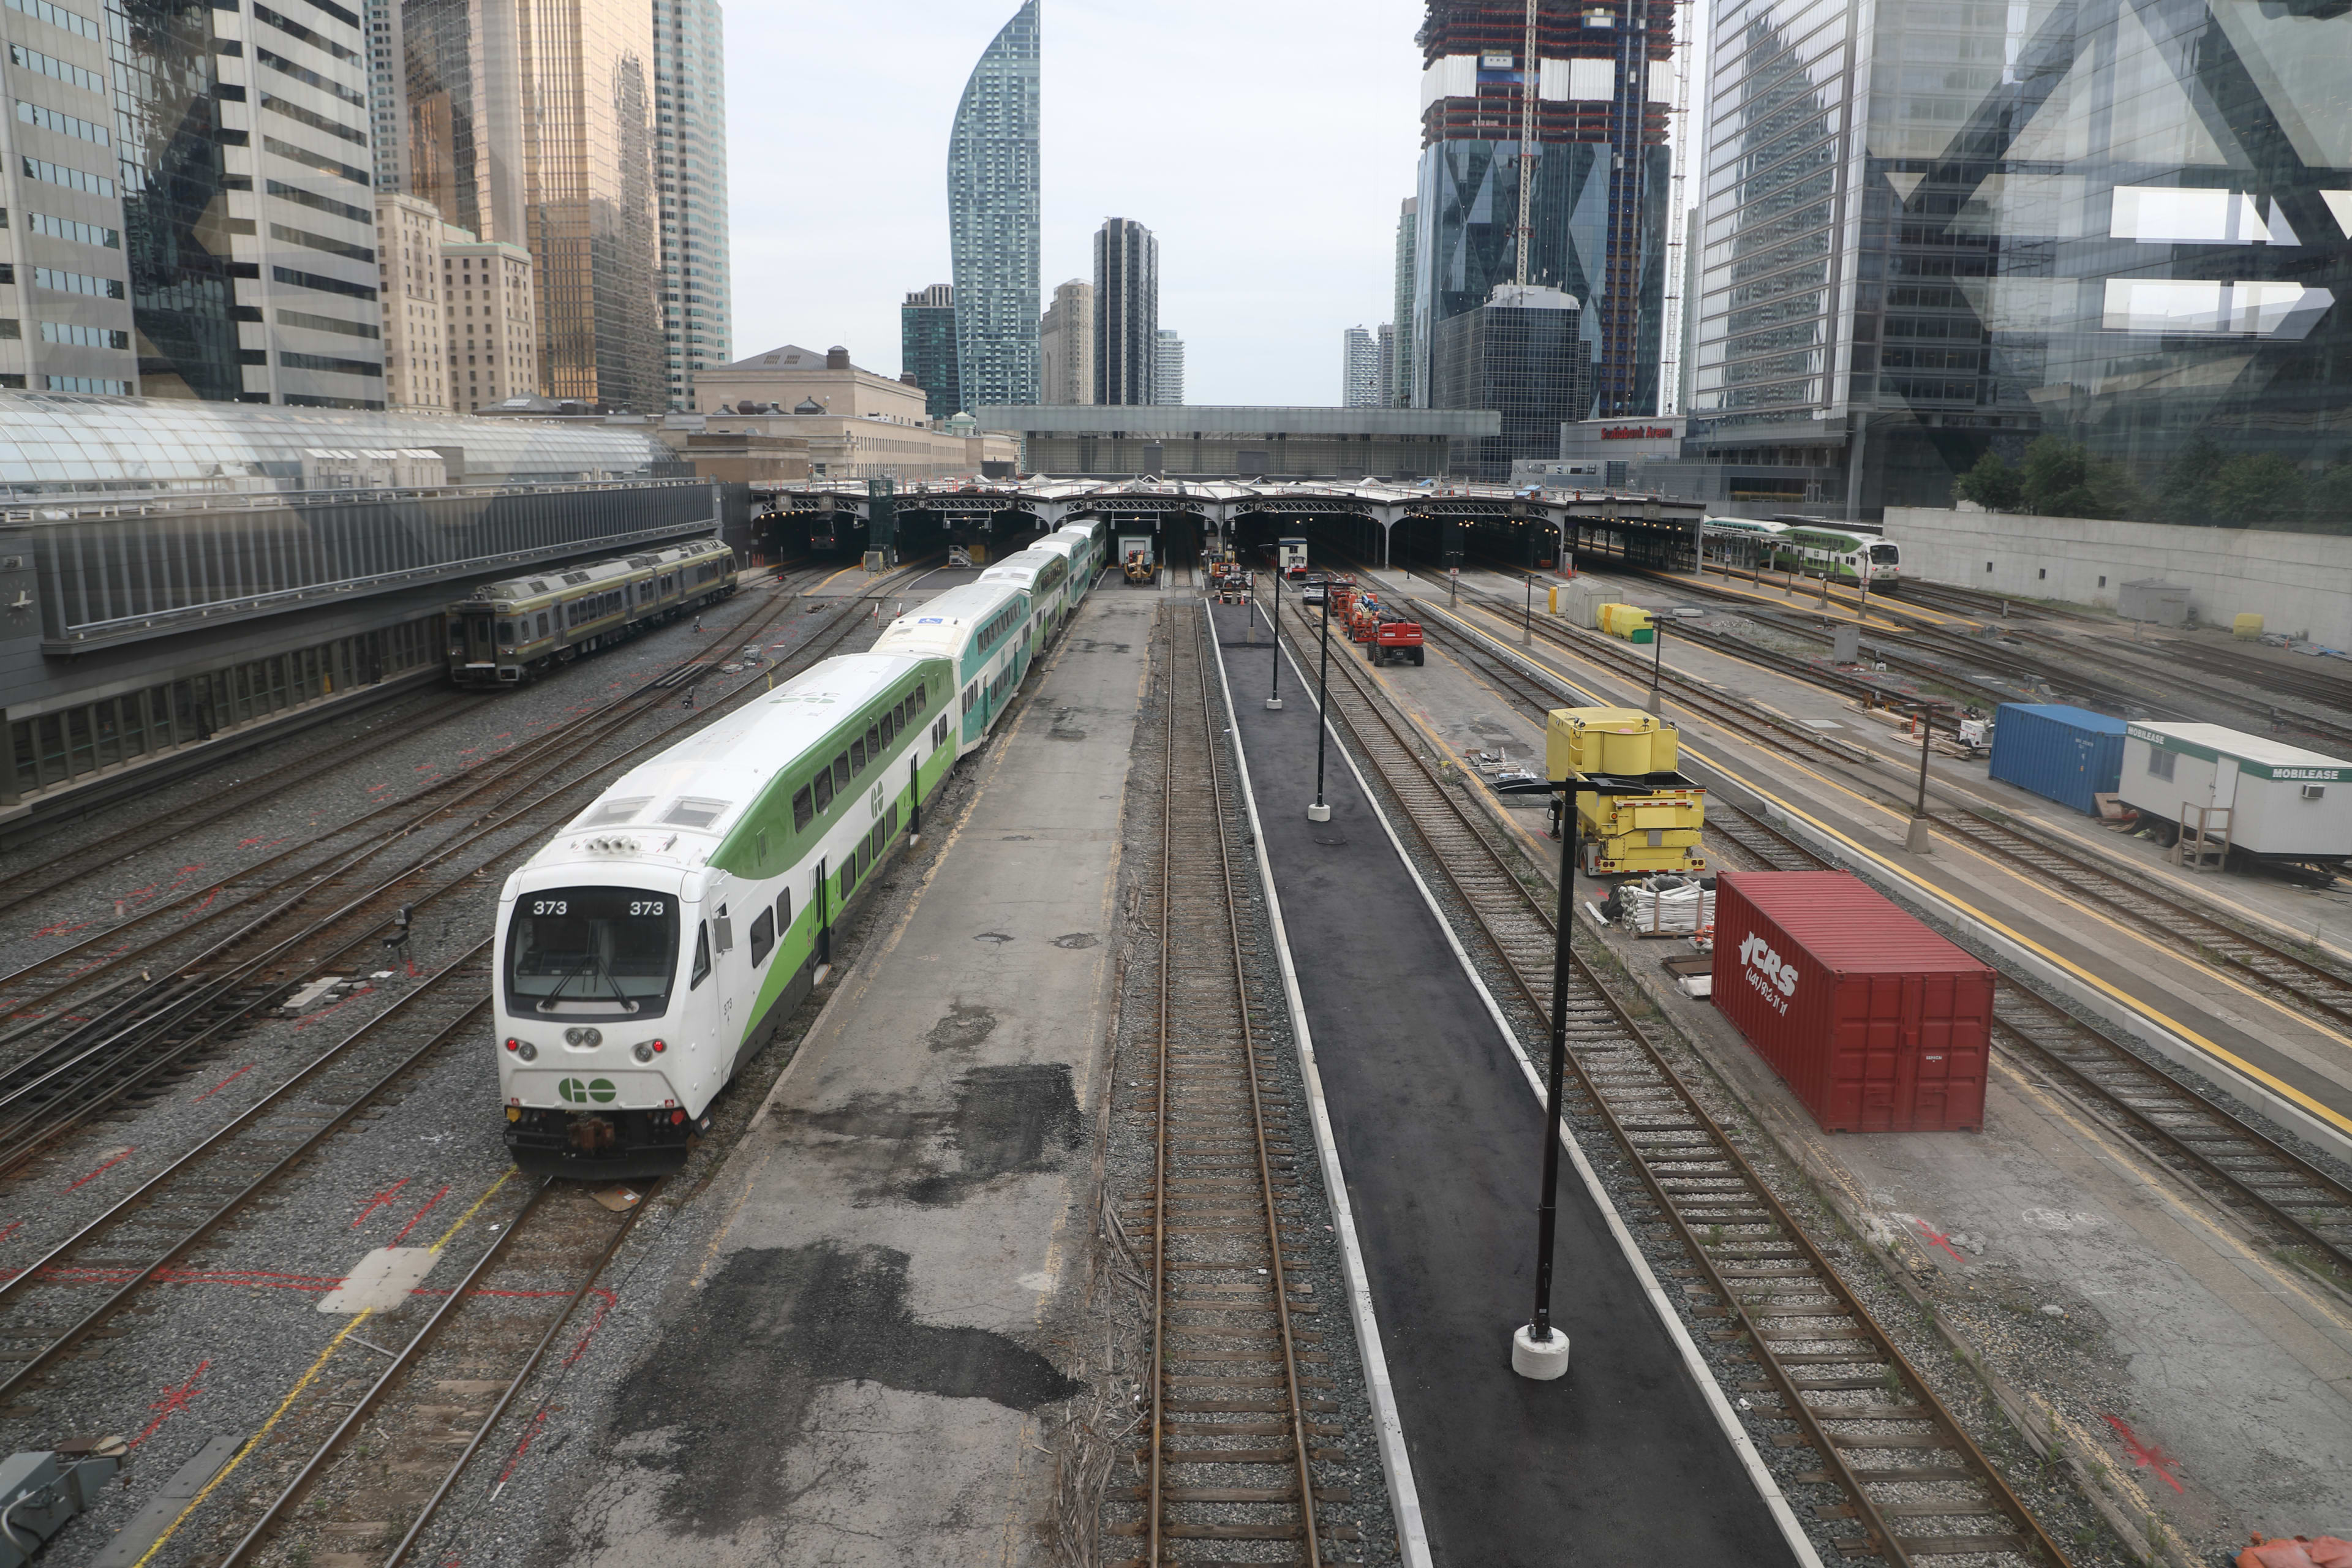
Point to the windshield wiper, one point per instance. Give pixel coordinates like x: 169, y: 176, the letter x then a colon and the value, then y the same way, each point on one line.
x: 610, y: 983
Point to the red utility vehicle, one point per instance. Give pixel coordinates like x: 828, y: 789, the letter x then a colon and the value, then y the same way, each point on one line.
x: 1398, y: 639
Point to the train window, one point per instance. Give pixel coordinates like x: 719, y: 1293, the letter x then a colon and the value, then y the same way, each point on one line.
x: 689, y: 812
x: 542, y: 623
x: 857, y: 756
x: 701, y: 955
x: 505, y: 634
x: 865, y: 855
x: 915, y: 704
x: 824, y: 784
x: 892, y: 820
x: 898, y: 720
x: 764, y: 937
x: 939, y: 731
x: 841, y: 772
x: 848, y: 878
x: 881, y: 836
x: 759, y: 847
x: 874, y: 742
x: 592, y: 952
x: 970, y: 694
x: 784, y: 909
x: 804, y: 809
x: 722, y: 932
x: 889, y: 726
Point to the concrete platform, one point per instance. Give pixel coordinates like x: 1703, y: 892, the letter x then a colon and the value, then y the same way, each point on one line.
x: 854, y: 1378
x: 1442, y: 1142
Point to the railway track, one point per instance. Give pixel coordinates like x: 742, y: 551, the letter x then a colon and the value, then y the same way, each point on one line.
x: 83, y: 1280
x: 2264, y: 1185
x: 1913, y: 1485
x: 455, y: 1377
x: 1240, y: 1409
x: 169, y: 1023
x: 2320, y: 991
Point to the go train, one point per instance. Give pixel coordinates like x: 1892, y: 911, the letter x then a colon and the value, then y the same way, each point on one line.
x: 506, y: 633
x: 1812, y: 549
x: 659, y: 940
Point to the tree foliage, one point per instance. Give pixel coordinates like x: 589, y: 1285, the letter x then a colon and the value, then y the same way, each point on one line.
x: 2203, y: 485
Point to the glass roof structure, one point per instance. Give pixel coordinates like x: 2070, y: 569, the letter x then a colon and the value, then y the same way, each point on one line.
x: 54, y: 444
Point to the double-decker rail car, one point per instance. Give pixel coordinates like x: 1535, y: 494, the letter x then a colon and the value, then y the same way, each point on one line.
x: 1086, y: 566
x: 1078, y: 551
x: 1840, y: 556
x: 985, y: 631
x: 1045, y: 576
x: 506, y: 633
x: 656, y: 944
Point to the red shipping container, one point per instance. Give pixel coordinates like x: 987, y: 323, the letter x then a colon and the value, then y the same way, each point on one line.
x: 1878, y: 1024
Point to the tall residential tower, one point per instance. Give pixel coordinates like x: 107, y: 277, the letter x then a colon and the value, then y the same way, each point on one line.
x: 993, y: 219
x: 927, y: 347
x: 1127, y: 311
x: 1167, y: 370
x: 1065, y: 341
x: 690, y: 170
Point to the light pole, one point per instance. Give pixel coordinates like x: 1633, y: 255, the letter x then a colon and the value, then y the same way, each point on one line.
x: 1527, y: 624
x: 1538, y: 1351
x: 1319, y: 812
x: 1916, y: 841
x: 1274, y: 626
x: 1657, y: 660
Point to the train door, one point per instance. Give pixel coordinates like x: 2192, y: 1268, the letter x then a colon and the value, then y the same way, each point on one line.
x: 479, y: 648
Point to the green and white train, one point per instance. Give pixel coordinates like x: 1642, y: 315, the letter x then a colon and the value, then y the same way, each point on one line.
x: 1812, y: 550
x: 659, y: 941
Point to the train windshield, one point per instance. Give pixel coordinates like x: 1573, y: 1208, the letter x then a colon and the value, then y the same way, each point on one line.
x: 1885, y: 554
x: 591, y: 953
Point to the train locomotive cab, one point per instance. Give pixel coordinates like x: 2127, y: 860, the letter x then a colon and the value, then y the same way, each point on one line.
x: 604, y: 1041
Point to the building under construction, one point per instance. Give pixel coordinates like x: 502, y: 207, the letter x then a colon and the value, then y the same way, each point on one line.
x: 1588, y: 126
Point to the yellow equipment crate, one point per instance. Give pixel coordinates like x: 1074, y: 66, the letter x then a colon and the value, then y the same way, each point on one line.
x: 1623, y: 741
x: 1626, y: 621
x: 1636, y: 834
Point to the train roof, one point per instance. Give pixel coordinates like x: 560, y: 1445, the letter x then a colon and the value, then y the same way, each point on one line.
x: 703, y: 785
x: 556, y: 578
x: 964, y: 604
x: 1032, y: 559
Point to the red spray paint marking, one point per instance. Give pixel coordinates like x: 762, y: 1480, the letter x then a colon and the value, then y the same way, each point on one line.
x: 310, y: 1018
x: 200, y: 909
x: 420, y: 1213
x: 103, y: 1168
x: 176, y: 1398
x: 62, y: 930
x: 12, y: 1227
x: 606, y: 1301
x: 1938, y: 1238
x: 2147, y: 1455
x: 381, y: 1200
x: 222, y: 1084
x: 523, y: 1446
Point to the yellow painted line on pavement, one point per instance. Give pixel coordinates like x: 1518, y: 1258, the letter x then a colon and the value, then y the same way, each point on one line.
x: 303, y: 1383
x: 2212, y: 1047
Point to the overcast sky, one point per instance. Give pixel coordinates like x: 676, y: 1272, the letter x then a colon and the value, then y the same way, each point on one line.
x: 1266, y: 143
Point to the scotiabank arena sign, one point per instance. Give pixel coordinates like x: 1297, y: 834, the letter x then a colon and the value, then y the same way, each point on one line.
x: 1637, y: 433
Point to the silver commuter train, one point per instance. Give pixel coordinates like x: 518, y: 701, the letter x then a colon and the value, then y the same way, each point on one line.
x: 657, y: 943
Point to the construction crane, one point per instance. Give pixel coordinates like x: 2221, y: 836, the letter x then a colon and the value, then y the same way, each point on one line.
x: 1530, y: 74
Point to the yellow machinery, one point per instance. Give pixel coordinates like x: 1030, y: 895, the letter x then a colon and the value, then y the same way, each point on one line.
x: 1628, y: 621
x: 1626, y: 834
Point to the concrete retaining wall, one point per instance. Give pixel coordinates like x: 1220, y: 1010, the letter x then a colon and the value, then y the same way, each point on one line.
x: 2299, y: 582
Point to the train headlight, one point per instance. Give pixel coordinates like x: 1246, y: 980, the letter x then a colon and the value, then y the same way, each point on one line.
x: 643, y: 1051
x: 526, y: 1051
x: 584, y: 1037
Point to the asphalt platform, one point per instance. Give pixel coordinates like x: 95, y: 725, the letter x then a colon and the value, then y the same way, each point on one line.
x: 1620, y: 1462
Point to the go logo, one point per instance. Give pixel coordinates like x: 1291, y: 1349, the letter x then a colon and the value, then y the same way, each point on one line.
x: 579, y: 1092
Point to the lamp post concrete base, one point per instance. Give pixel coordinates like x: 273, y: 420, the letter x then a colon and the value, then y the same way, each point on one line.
x: 1915, y: 841
x: 1318, y: 813
x: 1540, y: 1360
x: 1273, y: 704
x: 1651, y: 703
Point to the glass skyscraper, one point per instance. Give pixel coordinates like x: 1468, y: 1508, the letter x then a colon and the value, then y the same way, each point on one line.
x: 1127, y: 311
x: 1603, y: 79
x: 1934, y: 230
x: 1520, y: 352
x: 992, y: 219
x: 927, y: 346
x: 690, y: 165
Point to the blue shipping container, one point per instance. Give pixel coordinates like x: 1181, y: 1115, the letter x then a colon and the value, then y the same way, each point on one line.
x: 2061, y: 753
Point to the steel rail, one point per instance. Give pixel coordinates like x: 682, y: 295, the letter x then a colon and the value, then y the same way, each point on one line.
x: 521, y: 1376
x: 2302, y: 1200
x: 1707, y: 1181
x: 1194, y: 1086
x: 2196, y: 935
x: 400, y: 1361
x: 112, y: 1066
x: 225, y: 1142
